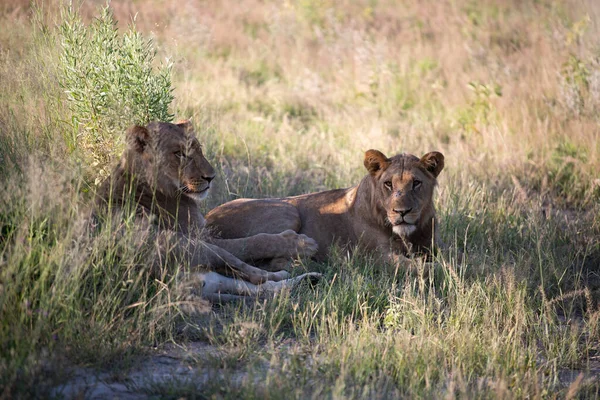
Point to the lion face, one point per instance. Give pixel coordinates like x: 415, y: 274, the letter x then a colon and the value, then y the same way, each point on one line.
x: 171, y: 159
x: 404, y: 187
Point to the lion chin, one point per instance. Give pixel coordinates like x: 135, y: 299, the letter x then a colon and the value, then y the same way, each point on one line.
x: 197, y: 196
x: 192, y: 192
x: 404, y: 230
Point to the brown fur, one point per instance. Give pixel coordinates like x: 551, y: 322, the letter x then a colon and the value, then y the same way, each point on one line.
x: 390, y: 211
x: 164, y: 172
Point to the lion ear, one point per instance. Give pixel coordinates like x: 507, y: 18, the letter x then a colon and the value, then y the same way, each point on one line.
x: 138, y: 138
x: 376, y: 162
x: 433, y: 162
x: 186, y: 125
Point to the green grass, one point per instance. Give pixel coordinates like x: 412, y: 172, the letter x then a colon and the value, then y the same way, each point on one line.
x: 285, y: 99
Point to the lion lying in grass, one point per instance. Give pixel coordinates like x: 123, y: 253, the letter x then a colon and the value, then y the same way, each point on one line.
x: 165, y: 174
x: 389, y: 212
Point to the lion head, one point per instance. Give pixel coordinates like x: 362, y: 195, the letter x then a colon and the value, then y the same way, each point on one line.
x: 169, y: 158
x: 403, y: 188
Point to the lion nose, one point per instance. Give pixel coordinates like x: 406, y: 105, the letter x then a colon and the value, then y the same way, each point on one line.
x: 402, y: 212
x: 208, y: 178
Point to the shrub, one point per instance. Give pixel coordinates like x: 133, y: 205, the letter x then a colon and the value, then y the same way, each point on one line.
x: 110, y: 82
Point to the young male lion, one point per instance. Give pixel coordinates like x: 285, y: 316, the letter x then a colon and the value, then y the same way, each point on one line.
x: 164, y: 173
x: 389, y: 212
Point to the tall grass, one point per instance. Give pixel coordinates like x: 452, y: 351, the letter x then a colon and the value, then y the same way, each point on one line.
x: 71, y: 282
x: 286, y: 97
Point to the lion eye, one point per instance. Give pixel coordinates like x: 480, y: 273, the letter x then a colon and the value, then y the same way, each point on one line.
x: 388, y: 185
x: 180, y: 155
x: 416, y: 183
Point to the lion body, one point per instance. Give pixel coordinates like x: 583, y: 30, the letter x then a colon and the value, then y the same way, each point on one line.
x: 164, y: 175
x: 390, y: 212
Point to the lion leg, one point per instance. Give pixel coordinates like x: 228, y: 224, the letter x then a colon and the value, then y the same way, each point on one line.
x: 276, y: 287
x: 220, y: 260
x: 218, y: 288
x: 201, y: 255
x: 287, y: 244
x: 276, y: 264
x: 260, y: 229
x: 217, y: 284
x: 213, y: 287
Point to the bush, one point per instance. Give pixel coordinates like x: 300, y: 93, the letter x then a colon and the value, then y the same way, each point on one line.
x: 110, y: 82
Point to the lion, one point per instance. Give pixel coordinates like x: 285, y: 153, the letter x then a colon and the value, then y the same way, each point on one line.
x: 390, y: 212
x: 164, y: 172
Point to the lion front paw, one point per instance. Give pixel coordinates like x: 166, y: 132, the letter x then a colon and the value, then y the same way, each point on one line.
x: 312, y: 277
x: 271, y: 287
x: 278, y: 276
x: 298, y: 245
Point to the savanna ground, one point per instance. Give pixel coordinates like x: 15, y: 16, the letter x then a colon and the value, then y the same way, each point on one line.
x: 286, y: 97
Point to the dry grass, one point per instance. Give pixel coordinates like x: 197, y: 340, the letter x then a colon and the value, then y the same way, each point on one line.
x: 286, y: 97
